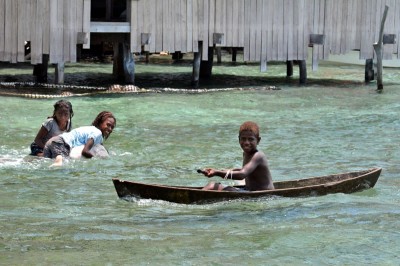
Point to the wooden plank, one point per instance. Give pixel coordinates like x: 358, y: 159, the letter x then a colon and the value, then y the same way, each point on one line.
x: 140, y: 23
x: 358, y: 7
x: 66, y: 30
x: 346, y: 28
x: 337, y: 23
x: 240, y: 11
x: 37, y: 31
x: 10, y: 29
x: 145, y: 21
x: 183, y: 22
x: 7, y: 30
x: 211, y: 23
x: 397, y: 29
x: 14, y: 34
x: 79, y: 15
x: 333, y: 26
x: 159, y: 26
x: 153, y: 26
x: 46, y: 27
x: 363, y: 27
x: 171, y: 18
x: 377, y: 14
x: 235, y: 23
x: 264, y: 28
x: 34, y: 29
x: 322, y: 29
x: 205, y: 29
x: 350, y: 33
x: 195, y: 14
x: 229, y: 23
x: 72, y: 32
x: 392, y: 17
x: 246, y: 29
x: 307, y: 26
x: 319, y: 29
x: 328, y: 28
x: 189, y: 25
x: 258, y: 28
x: 2, y: 29
x: 281, y: 54
x: 300, y: 34
x: 166, y: 27
x: 389, y: 28
x: 219, y: 19
x: 134, y: 35
x: 269, y: 28
x: 86, y: 21
x: 110, y: 27
x: 366, y: 46
x: 177, y: 17
x: 23, y: 11
x: 60, y: 32
x: 316, y: 30
x: 35, y: 37
x: 287, y: 29
x: 253, y: 23
x: 53, y: 31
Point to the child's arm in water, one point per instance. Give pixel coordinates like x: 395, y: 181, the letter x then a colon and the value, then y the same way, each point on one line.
x: 40, y: 136
x: 86, y: 149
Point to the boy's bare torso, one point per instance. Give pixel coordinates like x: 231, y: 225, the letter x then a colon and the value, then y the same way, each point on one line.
x: 260, y: 178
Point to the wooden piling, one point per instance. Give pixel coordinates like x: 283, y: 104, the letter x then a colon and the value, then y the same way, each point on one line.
x: 59, y: 73
x: 289, y: 68
x: 378, y: 47
x: 369, y: 70
x: 303, y: 72
x: 206, y: 66
x: 40, y: 71
x: 196, y: 66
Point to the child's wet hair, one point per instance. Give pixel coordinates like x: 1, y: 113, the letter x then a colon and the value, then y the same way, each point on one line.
x: 250, y: 126
x: 61, y: 104
x: 66, y: 105
x: 103, y: 116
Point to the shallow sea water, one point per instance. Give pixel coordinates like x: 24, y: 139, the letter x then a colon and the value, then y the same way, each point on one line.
x: 72, y: 215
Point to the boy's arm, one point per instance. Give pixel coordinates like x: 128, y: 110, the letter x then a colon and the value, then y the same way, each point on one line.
x: 86, y: 149
x: 236, y: 174
x: 255, y: 161
x: 248, y: 168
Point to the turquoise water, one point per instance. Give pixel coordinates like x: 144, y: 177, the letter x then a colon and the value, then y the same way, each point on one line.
x: 72, y: 215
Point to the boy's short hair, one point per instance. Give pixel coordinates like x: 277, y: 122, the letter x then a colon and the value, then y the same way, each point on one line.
x: 250, y: 126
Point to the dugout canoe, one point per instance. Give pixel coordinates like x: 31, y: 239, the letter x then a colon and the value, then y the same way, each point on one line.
x: 315, y: 186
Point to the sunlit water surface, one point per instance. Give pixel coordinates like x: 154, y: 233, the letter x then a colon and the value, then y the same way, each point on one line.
x: 72, y: 215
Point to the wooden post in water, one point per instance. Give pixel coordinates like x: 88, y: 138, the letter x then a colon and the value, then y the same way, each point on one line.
x: 196, y: 66
x: 378, y: 47
x: 59, y: 73
x: 289, y: 68
x: 303, y: 72
x: 219, y: 54
x: 369, y: 70
x: 128, y: 64
x: 40, y: 70
x: 123, y: 63
x: 234, y: 54
x: 206, y: 66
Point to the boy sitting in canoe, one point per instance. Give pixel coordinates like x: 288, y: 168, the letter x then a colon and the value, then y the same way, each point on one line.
x: 255, y: 168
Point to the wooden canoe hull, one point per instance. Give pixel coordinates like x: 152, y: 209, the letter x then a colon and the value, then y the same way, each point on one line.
x: 314, y: 186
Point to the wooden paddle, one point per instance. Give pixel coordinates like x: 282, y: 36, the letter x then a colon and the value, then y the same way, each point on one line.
x: 201, y: 172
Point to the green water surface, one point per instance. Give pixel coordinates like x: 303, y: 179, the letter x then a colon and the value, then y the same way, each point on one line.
x: 72, y: 215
